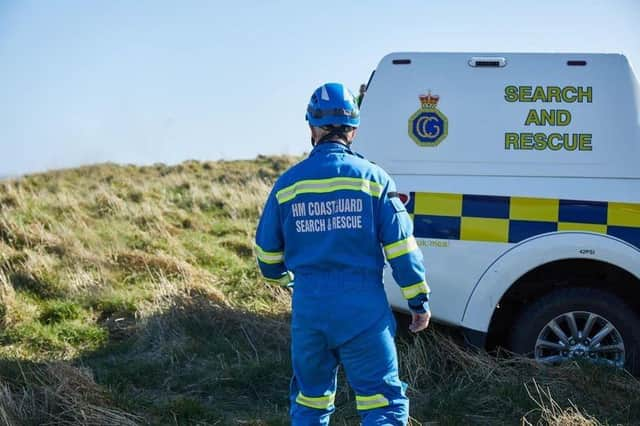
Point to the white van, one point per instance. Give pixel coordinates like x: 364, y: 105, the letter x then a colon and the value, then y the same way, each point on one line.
x: 522, y: 175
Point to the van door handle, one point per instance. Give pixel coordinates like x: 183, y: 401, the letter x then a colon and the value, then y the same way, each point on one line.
x: 487, y: 62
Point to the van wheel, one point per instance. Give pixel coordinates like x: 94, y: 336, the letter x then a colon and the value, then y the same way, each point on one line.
x: 579, y: 324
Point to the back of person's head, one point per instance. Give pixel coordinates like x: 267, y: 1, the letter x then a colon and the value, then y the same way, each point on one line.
x: 333, y: 113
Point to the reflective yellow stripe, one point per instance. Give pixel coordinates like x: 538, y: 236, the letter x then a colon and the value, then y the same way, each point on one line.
x: 399, y: 248
x: 370, y: 402
x: 319, y: 402
x: 322, y: 186
x: 269, y: 257
x: 283, y: 280
x: 413, y: 290
x: 623, y: 214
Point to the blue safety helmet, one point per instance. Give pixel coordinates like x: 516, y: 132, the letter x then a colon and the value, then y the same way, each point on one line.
x: 332, y: 104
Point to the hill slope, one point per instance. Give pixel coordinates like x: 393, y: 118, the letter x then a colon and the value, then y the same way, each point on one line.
x: 129, y: 295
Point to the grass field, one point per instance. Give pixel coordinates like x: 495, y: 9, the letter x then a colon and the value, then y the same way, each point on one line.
x: 129, y: 295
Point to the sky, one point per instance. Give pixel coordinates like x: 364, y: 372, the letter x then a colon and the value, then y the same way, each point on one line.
x: 150, y: 81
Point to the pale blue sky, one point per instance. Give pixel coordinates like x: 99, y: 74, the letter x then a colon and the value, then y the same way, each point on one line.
x: 164, y: 81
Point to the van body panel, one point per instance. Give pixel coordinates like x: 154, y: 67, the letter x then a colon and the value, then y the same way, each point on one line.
x: 451, y: 299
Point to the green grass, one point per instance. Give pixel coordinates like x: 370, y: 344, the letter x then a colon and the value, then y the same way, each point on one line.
x: 129, y: 295
x: 58, y: 311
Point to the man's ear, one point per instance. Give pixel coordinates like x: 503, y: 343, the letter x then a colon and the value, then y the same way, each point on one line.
x: 313, y: 135
x: 353, y: 134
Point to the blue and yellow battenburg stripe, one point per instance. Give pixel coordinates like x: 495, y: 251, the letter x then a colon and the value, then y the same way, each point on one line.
x: 513, y: 219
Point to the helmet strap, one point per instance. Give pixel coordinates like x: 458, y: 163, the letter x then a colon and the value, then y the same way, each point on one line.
x: 334, y: 137
x: 336, y: 133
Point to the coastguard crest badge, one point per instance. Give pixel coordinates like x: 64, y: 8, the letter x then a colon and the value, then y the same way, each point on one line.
x: 428, y: 126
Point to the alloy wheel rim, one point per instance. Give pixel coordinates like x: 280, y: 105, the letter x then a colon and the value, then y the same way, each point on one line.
x: 580, y: 335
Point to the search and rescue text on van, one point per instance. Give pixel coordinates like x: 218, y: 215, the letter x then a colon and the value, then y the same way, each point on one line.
x: 554, y: 141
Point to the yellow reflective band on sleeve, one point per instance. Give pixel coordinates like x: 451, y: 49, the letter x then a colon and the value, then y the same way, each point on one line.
x: 400, y: 248
x: 324, y: 402
x: 415, y: 289
x: 370, y: 402
x: 283, y: 280
x: 322, y: 186
x: 269, y: 257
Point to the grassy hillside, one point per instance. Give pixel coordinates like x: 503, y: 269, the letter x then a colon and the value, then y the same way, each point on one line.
x: 129, y: 295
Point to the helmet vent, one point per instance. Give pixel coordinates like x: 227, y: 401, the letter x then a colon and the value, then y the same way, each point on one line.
x: 325, y: 95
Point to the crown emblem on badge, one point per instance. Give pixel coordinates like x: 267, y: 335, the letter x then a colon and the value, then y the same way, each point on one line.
x: 428, y: 126
x: 428, y: 100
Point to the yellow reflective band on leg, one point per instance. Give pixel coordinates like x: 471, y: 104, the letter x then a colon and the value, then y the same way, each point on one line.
x: 400, y: 248
x: 370, y: 402
x: 413, y: 290
x: 283, y: 280
x: 324, y: 402
x: 270, y: 257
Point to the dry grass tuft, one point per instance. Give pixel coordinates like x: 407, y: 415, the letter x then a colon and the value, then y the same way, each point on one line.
x: 80, y: 282
x: 552, y: 414
x: 11, y: 196
x: 106, y: 203
x: 139, y: 261
x: 59, y: 394
x: 7, y: 300
x: 12, y: 233
x: 168, y: 293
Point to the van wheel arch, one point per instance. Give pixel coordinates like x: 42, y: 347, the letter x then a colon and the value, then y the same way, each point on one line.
x: 544, y: 279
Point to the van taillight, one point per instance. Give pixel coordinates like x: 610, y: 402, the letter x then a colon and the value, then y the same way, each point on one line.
x: 404, y: 198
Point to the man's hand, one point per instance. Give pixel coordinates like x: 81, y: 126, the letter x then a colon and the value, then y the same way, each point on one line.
x: 419, y: 321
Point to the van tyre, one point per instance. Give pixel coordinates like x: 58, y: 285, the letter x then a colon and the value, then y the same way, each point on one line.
x: 579, y: 324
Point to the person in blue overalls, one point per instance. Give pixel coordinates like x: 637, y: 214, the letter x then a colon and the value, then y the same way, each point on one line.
x: 327, y: 222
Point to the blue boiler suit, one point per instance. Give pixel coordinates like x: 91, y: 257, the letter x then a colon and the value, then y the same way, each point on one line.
x: 327, y: 222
